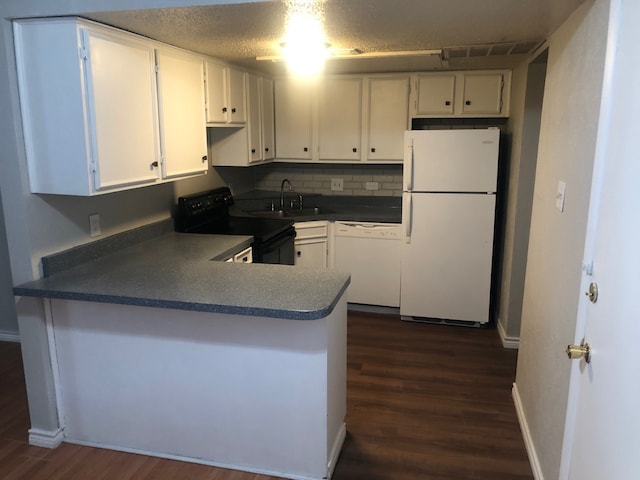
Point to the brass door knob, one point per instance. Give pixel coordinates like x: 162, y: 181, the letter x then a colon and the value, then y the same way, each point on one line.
x: 583, y: 350
x: 592, y: 293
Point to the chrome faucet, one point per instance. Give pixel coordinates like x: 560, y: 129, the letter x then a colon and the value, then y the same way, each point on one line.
x: 286, y: 180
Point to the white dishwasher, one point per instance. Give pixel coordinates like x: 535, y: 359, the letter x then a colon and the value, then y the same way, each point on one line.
x: 371, y: 253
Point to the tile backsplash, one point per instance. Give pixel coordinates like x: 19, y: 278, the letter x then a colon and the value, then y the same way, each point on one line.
x: 358, y: 180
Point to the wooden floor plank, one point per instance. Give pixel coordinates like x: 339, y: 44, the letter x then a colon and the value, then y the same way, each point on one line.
x: 424, y: 402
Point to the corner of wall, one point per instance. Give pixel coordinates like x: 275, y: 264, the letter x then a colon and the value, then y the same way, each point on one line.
x: 507, y: 341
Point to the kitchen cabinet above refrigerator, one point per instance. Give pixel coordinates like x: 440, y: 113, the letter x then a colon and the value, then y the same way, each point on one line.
x: 477, y: 94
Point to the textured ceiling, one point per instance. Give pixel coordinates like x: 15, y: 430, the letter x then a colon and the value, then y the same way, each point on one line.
x: 240, y: 32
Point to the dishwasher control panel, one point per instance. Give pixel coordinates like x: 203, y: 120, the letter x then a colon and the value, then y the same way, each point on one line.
x: 389, y: 231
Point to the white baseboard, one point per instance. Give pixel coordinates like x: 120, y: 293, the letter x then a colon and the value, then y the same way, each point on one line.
x: 335, y: 450
x: 9, y: 337
x: 507, y: 342
x: 45, y: 438
x: 201, y: 461
x: 526, y: 434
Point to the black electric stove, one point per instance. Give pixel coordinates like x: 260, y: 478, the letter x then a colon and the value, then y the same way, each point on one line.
x: 208, y: 213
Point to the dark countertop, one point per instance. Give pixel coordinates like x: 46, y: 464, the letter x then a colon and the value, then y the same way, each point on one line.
x: 332, y: 207
x: 174, y: 271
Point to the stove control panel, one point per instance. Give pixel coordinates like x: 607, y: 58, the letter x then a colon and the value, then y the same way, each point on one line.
x: 211, y: 202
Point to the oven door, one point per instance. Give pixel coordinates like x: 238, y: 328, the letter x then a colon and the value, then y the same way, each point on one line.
x: 277, y: 250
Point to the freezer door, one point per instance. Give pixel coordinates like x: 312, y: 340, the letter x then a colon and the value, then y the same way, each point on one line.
x: 451, y: 160
x: 446, y: 268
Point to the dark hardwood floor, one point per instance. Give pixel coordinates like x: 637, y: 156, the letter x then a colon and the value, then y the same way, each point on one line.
x: 424, y: 401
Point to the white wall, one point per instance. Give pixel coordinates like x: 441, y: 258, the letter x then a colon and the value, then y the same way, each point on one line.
x: 8, y: 320
x: 552, y: 284
x: 524, y: 128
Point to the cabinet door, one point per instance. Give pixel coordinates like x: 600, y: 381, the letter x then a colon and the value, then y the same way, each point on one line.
x: 436, y: 95
x: 482, y: 93
x: 254, y: 136
x: 182, y: 113
x: 293, y: 109
x: 340, y: 119
x: 235, y: 91
x: 311, y: 253
x: 266, y: 95
x: 388, y: 117
x: 122, y: 104
x: 216, y: 97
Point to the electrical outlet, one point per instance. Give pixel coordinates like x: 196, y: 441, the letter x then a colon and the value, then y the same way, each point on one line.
x: 371, y: 186
x: 94, y: 225
x: 337, y: 184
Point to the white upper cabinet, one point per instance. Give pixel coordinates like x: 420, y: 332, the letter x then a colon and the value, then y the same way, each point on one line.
x: 462, y: 94
x: 388, y: 117
x: 253, y: 144
x: 91, y: 117
x: 267, y: 117
x: 121, y: 103
x: 226, y: 100
x: 324, y: 122
x: 89, y: 107
x: 340, y: 118
x: 254, y: 127
x: 436, y: 94
x: 482, y: 93
x: 293, y: 118
x: 182, y: 114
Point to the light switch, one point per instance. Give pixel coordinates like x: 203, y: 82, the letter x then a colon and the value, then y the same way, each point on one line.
x: 560, y: 194
x: 337, y: 184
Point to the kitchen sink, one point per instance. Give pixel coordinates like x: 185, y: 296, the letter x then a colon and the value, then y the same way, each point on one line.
x: 305, y: 212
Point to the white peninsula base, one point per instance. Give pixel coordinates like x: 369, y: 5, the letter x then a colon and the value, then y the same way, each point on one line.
x: 265, y: 395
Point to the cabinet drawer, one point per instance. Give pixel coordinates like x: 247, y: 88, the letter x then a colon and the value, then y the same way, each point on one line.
x: 245, y: 256
x: 316, y: 229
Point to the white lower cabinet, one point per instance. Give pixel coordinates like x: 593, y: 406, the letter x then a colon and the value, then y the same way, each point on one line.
x: 243, y: 256
x: 311, y: 244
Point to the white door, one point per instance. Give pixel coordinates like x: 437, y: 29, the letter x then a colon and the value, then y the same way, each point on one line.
x: 451, y: 160
x: 388, y: 117
x: 340, y: 119
x: 121, y: 74
x: 293, y: 109
x: 267, y: 118
x: 182, y: 113
x: 482, y: 93
x: 436, y: 94
x: 254, y: 118
x: 602, y: 438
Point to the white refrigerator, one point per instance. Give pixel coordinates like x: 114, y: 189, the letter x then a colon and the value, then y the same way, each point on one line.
x: 449, y: 200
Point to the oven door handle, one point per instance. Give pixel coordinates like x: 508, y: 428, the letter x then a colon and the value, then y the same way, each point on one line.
x: 278, y: 241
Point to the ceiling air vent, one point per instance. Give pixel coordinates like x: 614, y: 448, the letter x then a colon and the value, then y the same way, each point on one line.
x: 491, y: 50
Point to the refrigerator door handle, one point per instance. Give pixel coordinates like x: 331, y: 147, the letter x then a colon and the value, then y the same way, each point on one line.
x: 406, y: 216
x: 408, y: 167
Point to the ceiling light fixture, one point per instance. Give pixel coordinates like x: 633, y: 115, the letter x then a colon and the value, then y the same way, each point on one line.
x: 355, y: 53
x: 305, y: 47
